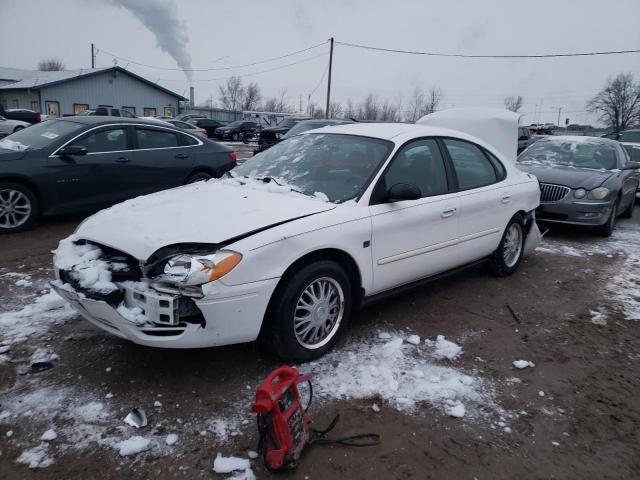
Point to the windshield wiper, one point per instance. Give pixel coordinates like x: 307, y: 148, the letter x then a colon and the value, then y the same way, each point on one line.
x: 271, y: 179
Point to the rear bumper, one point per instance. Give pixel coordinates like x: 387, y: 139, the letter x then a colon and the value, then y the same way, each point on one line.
x: 230, y: 314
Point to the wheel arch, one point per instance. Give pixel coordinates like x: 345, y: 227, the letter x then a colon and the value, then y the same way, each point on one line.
x: 28, y: 184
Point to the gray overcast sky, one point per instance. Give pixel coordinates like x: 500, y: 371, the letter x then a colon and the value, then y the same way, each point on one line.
x: 251, y: 30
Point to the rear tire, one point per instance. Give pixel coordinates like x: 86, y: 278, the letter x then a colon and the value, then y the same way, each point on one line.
x: 607, y: 229
x: 198, y: 177
x: 507, y: 257
x: 308, y: 312
x: 18, y: 207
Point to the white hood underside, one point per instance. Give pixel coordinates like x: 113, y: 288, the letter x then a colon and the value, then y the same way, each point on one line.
x: 205, y: 212
x: 497, y: 127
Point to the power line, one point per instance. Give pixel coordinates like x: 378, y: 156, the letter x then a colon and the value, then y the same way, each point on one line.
x: 231, y: 67
x: 320, y: 81
x: 461, y: 55
x: 251, y: 73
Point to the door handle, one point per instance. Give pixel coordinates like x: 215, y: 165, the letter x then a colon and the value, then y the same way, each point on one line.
x: 506, y: 198
x: 123, y: 160
x: 448, y: 213
x: 182, y: 156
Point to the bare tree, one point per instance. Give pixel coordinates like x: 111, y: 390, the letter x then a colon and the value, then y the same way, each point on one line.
x: 277, y: 104
x: 416, y: 106
x: 434, y: 98
x: 370, y: 108
x: 50, y: 65
x: 513, y: 103
x: 388, y: 112
x: 231, y: 94
x: 350, y: 110
x: 335, y: 110
x: 318, y: 113
x: 251, y: 97
x: 618, y: 104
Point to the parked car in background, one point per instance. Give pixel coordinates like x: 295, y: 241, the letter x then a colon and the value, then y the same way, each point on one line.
x: 82, y: 163
x: 526, y: 138
x: 271, y: 135
x: 185, y: 117
x: 235, y: 130
x: 189, y: 127
x: 107, y: 112
x: 292, y: 241
x: 207, y: 125
x: 21, y: 114
x: 7, y: 127
x: 583, y: 181
x: 306, y: 125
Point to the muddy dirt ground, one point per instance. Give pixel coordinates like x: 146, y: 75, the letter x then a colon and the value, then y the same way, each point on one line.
x: 585, y: 426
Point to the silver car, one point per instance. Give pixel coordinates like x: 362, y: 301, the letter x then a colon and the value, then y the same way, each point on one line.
x: 583, y: 180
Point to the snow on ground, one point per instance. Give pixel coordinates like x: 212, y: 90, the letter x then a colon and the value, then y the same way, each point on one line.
x: 624, y: 287
x: 35, y: 318
x: 404, y: 375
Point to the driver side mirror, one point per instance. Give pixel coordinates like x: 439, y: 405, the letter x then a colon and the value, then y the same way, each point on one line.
x: 631, y: 166
x: 72, y: 150
x: 403, y: 191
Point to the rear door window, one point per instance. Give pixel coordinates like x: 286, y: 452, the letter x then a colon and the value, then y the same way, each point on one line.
x: 149, y: 138
x: 472, y: 167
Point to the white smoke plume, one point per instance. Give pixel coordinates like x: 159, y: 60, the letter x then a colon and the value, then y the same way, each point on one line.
x: 161, y: 18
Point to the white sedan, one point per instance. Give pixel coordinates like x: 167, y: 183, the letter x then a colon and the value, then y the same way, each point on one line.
x: 7, y: 126
x: 296, y: 238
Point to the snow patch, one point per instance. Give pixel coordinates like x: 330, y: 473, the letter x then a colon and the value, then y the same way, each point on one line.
x: 231, y: 464
x: 598, y: 318
x: 84, y: 264
x: 171, y: 439
x: 523, y: 364
x: 36, y: 457
x: 49, y: 435
x: 401, y: 375
x: 444, y: 348
x: 132, y: 446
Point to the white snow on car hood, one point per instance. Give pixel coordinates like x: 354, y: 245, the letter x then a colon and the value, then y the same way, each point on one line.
x: 498, y: 127
x: 205, y: 212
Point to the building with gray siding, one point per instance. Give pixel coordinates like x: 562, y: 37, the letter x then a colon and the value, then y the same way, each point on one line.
x: 70, y: 92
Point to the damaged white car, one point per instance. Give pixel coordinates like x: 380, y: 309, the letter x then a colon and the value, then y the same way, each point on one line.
x: 296, y: 238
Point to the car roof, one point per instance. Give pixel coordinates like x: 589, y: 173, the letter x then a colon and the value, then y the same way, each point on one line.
x: 326, y: 121
x: 388, y: 131
x: 580, y: 139
x: 99, y: 119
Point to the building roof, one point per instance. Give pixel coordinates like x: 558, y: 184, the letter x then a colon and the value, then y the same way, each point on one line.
x: 36, y: 79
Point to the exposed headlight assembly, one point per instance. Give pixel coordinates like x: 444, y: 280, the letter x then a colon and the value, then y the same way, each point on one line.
x: 598, y: 193
x: 579, y: 193
x: 199, y: 269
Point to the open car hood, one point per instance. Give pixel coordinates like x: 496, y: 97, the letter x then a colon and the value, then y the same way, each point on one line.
x: 497, y: 127
x: 205, y: 212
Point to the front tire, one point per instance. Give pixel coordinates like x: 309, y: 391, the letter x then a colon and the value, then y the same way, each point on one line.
x: 628, y: 213
x: 18, y: 207
x: 308, y: 312
x: 607, y: 229
x: 507, y: 257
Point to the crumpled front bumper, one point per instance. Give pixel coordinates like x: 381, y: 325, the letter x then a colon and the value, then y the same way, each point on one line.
x: 231, y: 314
x: 575, y: 212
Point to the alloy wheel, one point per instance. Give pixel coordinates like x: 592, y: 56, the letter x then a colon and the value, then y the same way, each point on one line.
x: 512, y: 245
x: 15, y: 208
x: 318, y: 313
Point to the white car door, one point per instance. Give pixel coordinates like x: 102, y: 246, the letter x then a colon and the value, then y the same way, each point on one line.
x: 485, y: 199
x: 413, y: 239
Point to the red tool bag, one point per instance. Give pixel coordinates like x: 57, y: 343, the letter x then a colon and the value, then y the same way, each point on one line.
x: 283, y: 423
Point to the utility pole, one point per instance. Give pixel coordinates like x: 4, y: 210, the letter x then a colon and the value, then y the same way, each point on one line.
x: 326, y: 112
x: 93, y: 56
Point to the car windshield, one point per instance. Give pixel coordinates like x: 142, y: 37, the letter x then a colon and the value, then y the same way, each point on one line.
x: 287, y: 123
x: 331, y: 167
x: 579, y: 153
x: 234, y: 124
x: 38, y: 136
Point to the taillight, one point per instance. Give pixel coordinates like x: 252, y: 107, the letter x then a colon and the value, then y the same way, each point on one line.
x: 38, y: 118
x: 233, y: 156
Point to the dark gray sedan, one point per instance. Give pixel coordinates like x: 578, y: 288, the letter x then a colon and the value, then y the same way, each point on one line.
x: 87, y: 163
x: 583, y: 180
